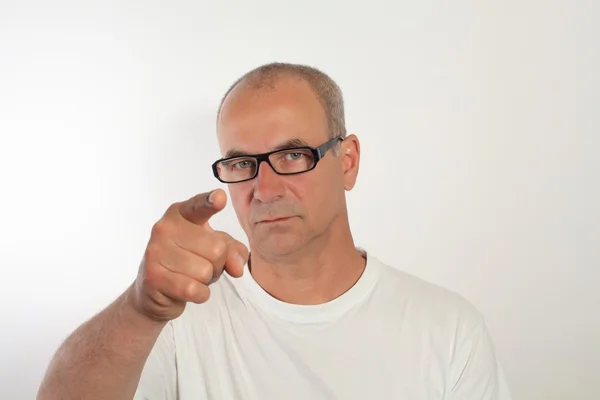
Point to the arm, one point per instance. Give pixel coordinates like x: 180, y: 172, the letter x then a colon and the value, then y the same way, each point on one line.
x: 108, y: 356
x: 104, y: 357
x: 475, y: 372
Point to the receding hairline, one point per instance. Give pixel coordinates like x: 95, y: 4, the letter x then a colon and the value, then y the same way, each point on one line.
x: 322, y: 85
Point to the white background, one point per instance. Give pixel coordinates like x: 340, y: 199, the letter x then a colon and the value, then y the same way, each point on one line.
x: 479, y: 125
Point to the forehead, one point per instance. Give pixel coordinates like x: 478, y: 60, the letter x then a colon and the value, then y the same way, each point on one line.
x: 259, y: 119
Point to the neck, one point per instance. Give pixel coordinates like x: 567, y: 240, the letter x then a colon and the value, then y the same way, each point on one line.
x: 324, y: 269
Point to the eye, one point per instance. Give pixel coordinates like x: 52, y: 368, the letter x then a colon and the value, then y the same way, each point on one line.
x: 294, y: 156
x: 242, y: 164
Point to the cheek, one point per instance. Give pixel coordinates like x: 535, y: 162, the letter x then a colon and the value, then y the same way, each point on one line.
x: 317, y: 197
x: 239, y: 200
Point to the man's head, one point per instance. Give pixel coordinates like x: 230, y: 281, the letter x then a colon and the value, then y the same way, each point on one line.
x: 279, y: 106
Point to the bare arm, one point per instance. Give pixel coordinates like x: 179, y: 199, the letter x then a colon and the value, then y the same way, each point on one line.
x: 104, y: 357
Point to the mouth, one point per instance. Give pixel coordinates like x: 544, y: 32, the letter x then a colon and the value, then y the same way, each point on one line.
x: 274, y: 220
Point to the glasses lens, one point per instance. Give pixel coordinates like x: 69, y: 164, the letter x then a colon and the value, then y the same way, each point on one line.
x: 237, y: 169
x: 292, y: 161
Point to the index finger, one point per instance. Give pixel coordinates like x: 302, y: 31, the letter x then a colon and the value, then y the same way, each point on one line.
x: 200, y: 208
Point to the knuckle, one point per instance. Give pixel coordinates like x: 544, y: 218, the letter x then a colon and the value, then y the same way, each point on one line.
x: 173, y: 207
x: 217, y: 249
x: 159, y: 228
x: 173, y: 210
x: 189, y: 290
x: 153, y: 251
x: 205, y: 272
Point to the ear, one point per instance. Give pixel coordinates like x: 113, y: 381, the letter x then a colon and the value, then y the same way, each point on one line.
x: 350, y: 155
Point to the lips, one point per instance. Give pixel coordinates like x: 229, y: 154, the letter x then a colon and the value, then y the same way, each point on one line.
x: 272, y: 220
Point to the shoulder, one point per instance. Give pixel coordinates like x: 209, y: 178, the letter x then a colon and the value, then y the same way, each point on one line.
x: 447, y: 325
x: 424, y: 302
x: 438, y: 316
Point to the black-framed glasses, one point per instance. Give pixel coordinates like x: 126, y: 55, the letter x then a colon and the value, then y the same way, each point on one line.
x: 289, y: 161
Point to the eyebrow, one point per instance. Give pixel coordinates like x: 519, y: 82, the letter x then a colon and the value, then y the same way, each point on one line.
x: 296, y: 142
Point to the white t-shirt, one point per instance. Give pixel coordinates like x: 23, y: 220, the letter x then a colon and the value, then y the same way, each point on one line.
x: 391, y: 336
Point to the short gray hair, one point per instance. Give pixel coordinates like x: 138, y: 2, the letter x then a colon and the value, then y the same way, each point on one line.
x: 326, y: 89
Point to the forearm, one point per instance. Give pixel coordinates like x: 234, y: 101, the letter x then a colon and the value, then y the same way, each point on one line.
x: 104, y: 357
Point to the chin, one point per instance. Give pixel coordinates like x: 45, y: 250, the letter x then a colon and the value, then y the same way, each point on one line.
x: 279, y: 244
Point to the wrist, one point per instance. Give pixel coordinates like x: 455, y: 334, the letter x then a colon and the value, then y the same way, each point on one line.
x: 131, y: 313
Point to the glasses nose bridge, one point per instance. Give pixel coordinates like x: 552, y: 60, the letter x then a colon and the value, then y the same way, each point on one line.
x: 263, y: 158
x: 268, y: 184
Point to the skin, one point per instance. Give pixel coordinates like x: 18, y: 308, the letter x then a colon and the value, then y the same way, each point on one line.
x: 310, y: 257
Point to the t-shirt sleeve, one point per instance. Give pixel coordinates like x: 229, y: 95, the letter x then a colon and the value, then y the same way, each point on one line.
x: 476, y: 373
x: 159, y: 376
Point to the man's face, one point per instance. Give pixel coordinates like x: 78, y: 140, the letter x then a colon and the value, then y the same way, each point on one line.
x: 281, y: 214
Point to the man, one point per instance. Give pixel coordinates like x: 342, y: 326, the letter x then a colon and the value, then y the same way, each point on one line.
x: 302, y: 314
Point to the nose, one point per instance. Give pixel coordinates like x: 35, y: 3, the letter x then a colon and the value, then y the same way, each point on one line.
x: 268, y: 185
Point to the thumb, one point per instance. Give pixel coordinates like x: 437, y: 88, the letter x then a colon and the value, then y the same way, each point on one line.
x: 200, y: 208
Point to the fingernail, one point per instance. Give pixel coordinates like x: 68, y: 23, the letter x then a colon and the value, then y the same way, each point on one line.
x: 241, y: 260
x: 211, y: 197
